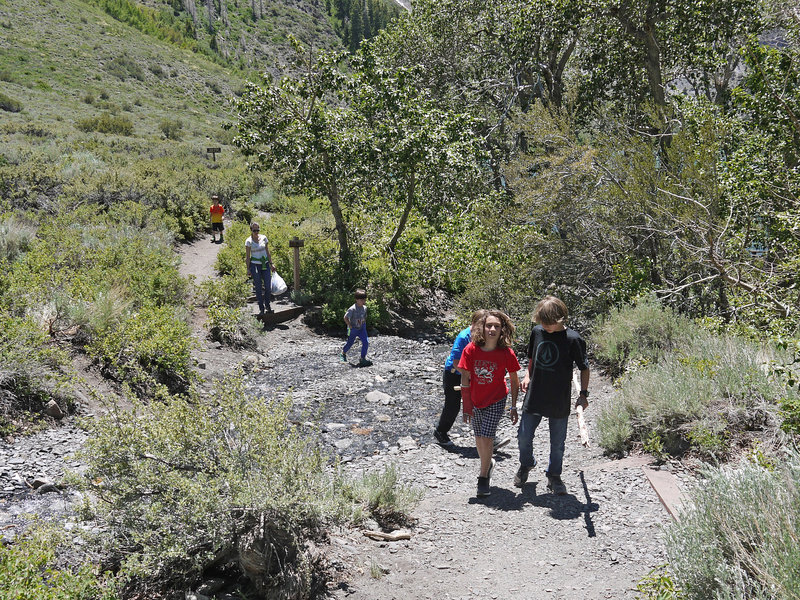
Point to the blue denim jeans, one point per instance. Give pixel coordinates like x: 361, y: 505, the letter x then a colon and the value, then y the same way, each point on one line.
x: 528, y: 423
x: 360, y: 333
x: 262, y: 283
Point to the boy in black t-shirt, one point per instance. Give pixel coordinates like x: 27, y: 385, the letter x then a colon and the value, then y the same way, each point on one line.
x: 552, y: 351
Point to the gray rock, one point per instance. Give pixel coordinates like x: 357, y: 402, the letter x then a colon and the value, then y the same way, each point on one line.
x: 54, y: 410
x: 379, y: 397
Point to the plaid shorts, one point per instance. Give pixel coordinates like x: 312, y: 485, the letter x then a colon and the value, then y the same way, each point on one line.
x: 486, y: 420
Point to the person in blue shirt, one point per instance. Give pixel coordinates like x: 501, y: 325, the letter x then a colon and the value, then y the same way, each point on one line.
x: 451, y: 379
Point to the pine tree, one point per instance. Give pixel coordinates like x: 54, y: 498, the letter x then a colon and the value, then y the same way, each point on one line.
x: 356, y: 25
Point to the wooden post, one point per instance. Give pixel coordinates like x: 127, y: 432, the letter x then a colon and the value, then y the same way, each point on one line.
x: 296, y: 244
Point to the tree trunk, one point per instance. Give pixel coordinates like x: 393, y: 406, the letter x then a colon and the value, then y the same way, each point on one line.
x: 212, y: 15
x: 223, y: 11
x: 411, y: 185
x: 332, y: 190
x: 191, y: 8
x: 653, y: 65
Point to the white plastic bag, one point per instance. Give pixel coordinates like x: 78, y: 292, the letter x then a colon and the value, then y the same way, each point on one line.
x: 277, y: 284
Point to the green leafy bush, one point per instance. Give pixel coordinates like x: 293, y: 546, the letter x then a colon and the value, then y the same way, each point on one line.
x: 153, y: 344
x: 639, y: 334
x: 221, y: 479
x: 107, y: 123
x: 228, y: 290
x: 230, y: 259
x: 9, y: 104
x: 28, y: 570
x: 232, y: 326
x: 171, y: 128
x: 740, y: 536
x: 659, y: 585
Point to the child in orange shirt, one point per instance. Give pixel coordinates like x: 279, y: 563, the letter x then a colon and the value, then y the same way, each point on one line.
x: 216, y: 211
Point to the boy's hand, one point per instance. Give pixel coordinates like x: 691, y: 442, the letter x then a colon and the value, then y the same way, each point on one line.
x: 525, y: 381
x: 581, y: 401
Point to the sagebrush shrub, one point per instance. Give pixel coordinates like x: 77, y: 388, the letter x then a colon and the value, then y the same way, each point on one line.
x: 696, y: 390
x: 740, y: 536
x: 9, y: 104
x: 107, y: 123
x: 15, y: 238
x: 641, y: 333
x: 220, y: 479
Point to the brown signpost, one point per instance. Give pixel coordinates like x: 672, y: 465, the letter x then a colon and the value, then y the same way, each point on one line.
x: 213, y: 152
x: 296, y: 243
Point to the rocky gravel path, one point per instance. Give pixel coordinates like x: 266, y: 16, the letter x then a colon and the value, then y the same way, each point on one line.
x: 596, y: 542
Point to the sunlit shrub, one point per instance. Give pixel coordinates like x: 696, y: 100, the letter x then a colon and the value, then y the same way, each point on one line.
x: 740, y: 535
x: 150, y: 346
x: 233, y: 327
x: 107, y: 123
x: 222, y: 479
x: 29, y: 568
x: 9, y: 104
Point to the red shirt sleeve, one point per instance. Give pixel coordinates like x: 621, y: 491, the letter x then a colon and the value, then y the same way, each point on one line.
x: 467, y: 359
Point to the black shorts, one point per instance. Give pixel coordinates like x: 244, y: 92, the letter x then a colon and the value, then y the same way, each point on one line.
x: 217, y: 227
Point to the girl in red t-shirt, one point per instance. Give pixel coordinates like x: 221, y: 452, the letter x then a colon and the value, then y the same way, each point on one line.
x: 483, y: 365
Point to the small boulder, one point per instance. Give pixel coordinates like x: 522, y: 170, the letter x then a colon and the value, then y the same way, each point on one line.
x: 54, y: 410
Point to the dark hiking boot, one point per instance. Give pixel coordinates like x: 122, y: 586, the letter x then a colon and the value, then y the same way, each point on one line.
x: 364, y: 363
x: 483, y: 487
x: 442, y: 438
x: 555, y: 485
x: 522, y: 476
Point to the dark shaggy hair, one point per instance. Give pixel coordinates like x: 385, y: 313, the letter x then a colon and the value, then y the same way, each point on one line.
x: 507, y: 329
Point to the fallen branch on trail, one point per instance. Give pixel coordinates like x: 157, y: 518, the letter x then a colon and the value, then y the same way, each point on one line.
x: 583, y: 431
x: 394, y: 536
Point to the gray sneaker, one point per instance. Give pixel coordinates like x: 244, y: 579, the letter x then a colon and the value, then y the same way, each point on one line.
x: 555, y: 485
x: 522, y: 476
x: 483, y: 487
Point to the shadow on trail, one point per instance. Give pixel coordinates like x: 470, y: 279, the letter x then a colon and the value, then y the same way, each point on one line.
x: 561, y: 508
